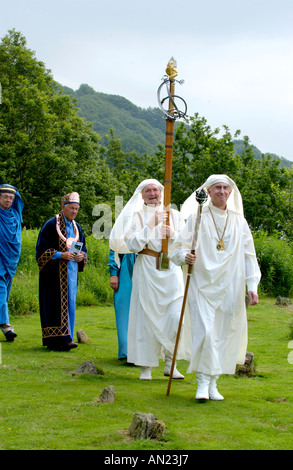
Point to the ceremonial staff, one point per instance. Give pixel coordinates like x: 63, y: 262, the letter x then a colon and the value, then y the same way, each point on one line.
x: 201, y: 197
x: 171, y: 115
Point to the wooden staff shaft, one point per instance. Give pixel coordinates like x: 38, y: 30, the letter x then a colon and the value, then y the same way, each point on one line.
x: 180, y: 325
x: 168, y: 174
x: 189, y: 272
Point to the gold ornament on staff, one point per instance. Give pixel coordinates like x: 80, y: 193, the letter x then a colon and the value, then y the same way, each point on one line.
x: 171, y: 69
x: 171, y: 114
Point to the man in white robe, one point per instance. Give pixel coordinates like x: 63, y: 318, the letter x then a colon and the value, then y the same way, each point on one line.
x: 157, y: 295
x: 224, y: 265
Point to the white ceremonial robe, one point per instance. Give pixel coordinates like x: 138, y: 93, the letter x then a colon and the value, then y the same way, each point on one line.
x: 156, y: 298
x: 216, y: 296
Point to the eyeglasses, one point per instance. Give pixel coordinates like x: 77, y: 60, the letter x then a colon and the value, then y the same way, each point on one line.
x: 8, y: 198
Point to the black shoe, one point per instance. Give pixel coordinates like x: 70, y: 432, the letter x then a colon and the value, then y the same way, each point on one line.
x: 63, y: 347
x: 70, y: 345
x: 10, y: 335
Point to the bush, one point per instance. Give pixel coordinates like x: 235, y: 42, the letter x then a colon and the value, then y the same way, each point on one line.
x: 93, y: 289
x: 27, y: 262
x: 275, y: 258
x: 24, y: 298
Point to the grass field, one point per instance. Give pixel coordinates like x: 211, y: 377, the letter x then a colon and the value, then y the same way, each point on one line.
x: 45, y: 405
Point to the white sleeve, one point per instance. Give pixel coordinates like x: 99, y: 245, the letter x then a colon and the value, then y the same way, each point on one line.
x: 182, y: 244
x: 137, y: 237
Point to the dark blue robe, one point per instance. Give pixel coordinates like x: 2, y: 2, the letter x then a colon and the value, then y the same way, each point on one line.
x: 55, y: 284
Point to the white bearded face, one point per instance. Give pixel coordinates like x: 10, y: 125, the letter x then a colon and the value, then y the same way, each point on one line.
x: 151, y: 195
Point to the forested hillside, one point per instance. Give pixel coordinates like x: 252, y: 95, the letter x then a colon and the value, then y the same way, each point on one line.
x: 239, y: 148
x: 138, y: 129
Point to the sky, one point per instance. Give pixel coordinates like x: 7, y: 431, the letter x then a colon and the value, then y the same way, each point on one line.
x: 235, y: 57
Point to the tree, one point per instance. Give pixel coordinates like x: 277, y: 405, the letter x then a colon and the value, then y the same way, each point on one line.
x: 129, y: 168
x: 46, y: 149
x: 198, y: 152
x: 265, y: 187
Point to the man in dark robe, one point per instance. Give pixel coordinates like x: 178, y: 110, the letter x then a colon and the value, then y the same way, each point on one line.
x: 11, y: 207
x: 61, y: 254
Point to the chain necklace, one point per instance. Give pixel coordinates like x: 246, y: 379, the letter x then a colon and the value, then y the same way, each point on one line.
x: 220, y: 244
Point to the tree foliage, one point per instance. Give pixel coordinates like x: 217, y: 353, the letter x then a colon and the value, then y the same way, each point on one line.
x: 46, y: 149
x: 138, y: 129
x: 199, y: 151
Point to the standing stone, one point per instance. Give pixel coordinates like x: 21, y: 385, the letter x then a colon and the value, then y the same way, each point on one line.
x: 81, y: 336
x: 283, y: 301
x: 87, y: 367
x: 107, y: 395
x: 146, y: 426
x: 248, y: 367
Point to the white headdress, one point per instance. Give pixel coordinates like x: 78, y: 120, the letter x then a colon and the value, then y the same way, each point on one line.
x: 234, y: 202
x: 124, y: 220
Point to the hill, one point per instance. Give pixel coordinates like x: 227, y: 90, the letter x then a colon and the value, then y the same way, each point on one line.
x: 239, y: 148
x: 139, y: 130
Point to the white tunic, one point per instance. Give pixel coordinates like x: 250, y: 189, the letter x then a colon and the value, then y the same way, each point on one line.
x: 156, y: 298
x: 216, y: 295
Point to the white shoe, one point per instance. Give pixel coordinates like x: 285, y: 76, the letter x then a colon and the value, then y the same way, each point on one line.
x: 176, y: 373
x: 203, y: 382
x: 213, y: 391
x: 168, y: 366
x: 145, y: 373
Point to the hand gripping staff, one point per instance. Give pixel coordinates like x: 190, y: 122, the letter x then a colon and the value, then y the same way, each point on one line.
x: 171, y: 115
x: 201, y: 197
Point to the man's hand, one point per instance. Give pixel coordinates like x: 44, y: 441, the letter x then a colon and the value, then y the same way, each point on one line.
x: 159, y: 216
x: 69, y: 256
x: 79, y: 257
x: 253, y: 297
x: 190, y: 258
x: 166, y: 231
x: 114, y: 282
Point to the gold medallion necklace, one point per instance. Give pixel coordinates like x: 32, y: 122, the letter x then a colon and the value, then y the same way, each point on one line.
x: 220, y: 244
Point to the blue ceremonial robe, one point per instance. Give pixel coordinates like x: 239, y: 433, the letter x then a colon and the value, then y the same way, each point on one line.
x: 122, y: 296
x: 58, y: 282
x: 10, y: 247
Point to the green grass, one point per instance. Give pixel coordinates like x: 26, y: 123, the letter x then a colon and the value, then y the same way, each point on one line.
x: 45, y: 405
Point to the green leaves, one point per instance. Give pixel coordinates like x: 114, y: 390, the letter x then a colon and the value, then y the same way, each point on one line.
x: 46, y: 149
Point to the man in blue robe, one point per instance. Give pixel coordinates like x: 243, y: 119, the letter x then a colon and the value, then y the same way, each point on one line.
x: 121, y: 283
x: 11, y: 207
x: 60, y: 259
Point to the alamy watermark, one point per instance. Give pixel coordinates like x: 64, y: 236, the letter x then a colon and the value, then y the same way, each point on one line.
x: 103, y: 226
